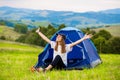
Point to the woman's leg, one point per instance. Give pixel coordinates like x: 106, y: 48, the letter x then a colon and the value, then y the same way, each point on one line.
x: 57, y: 62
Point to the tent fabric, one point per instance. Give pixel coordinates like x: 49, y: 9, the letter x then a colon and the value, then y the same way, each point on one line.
x: 83, y: 55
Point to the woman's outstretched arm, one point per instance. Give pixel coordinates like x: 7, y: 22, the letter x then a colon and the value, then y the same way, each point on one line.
x: 80, y: 40
x: 42, y: 35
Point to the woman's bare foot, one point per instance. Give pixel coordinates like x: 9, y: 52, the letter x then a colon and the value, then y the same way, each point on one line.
x: 39, y: 69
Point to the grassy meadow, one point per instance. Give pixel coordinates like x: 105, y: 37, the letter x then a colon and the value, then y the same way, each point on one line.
x: 16, y: 60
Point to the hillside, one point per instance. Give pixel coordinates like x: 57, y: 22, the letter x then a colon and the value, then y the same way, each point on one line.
x: 72, y: 19
x: 113, y: 29
x: 9, y: 33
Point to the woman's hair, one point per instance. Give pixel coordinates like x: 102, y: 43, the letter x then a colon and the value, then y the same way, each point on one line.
x: 63, y: 50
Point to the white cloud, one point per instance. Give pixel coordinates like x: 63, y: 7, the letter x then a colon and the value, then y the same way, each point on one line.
x: 69, y: 5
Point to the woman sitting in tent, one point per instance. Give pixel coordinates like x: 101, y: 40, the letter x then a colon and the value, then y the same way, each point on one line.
x: 60, y: 51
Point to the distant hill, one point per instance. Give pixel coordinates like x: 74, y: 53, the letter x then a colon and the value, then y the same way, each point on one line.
x: 9, y: 33
x: 34, y: 18
x: 111, y: 11
x: 114, y: 30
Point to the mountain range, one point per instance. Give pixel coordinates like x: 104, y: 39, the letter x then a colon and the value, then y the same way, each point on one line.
x: 69, y: 18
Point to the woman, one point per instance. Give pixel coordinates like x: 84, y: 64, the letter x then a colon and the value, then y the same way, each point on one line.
x: 60, y: 50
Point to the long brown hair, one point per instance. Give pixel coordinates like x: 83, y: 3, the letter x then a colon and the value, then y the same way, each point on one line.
x: 62, y: 43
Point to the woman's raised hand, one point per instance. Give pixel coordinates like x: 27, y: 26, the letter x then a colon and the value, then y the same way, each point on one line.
x: 87, y: 36
x: 38, y: 30
x: 42, y: 35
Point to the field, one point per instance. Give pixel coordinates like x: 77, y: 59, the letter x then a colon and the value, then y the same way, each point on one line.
x: 9, y: 33
x: 16, y: 60
x: 113, y: 29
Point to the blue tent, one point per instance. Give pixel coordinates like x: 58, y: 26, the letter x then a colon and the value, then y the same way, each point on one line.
x: 83, y: 55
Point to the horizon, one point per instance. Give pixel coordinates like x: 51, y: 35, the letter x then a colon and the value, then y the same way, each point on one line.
x: 74, y: 6
x: 59, y: 10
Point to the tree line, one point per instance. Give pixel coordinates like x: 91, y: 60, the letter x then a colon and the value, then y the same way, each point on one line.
x: 103, y: 40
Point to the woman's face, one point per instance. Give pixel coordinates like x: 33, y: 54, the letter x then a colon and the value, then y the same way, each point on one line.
x: 59, y: 38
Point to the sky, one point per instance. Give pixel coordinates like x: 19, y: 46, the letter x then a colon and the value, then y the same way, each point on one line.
x: 63, y: 5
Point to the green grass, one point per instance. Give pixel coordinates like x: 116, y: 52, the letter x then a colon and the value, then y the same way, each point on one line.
x: 113, y: 29
x: 9, y: 33
x: 1, y: 29
x: 7, y: 45
x: 15, y: 64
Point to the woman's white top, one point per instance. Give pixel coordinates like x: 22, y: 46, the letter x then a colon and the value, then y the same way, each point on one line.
x: 62, y: 55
